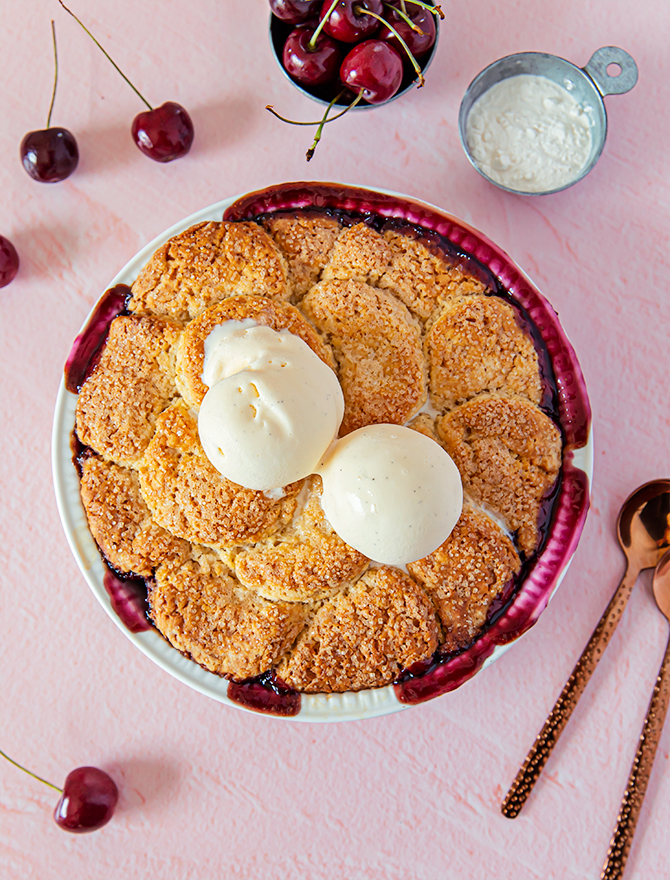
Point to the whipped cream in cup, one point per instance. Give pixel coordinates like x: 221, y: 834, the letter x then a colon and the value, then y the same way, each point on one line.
x: 587, y: 86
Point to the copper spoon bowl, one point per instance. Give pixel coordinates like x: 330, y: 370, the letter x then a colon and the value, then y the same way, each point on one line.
x: 643, y: 530
x: 649, y: 738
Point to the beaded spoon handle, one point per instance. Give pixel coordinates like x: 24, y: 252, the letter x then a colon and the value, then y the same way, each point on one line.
x: 640, y: 772
x: 553, y: 727
x: 643, y: 531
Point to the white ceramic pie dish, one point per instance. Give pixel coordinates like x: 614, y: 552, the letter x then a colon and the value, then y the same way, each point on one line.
x: 549, y: 567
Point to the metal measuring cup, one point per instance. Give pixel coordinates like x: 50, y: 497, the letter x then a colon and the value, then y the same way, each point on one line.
x: 589, y: 85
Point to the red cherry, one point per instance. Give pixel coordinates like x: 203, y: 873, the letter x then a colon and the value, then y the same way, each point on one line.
x: 373, y: 68
x: 295, y: 11
x: 347, y: 22
x: 50, y: 154
x: 418, y: 44
x: 9, y: 261
x: 163, y: 133
x: 88, y: 801
x: 311, y: 66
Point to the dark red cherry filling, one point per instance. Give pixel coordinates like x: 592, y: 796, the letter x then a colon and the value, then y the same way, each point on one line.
x: 88, y: 344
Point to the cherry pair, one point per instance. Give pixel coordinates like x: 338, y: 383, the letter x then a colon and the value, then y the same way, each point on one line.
x: 163, y: 133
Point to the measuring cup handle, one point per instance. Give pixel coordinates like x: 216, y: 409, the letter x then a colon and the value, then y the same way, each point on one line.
x: 607, y: 84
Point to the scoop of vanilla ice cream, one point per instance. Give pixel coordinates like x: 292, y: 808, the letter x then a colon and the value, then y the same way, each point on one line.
x: 391, y: 493
x: 272, y: 409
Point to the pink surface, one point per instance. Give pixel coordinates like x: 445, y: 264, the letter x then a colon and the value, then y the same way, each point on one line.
x: 207, y: 790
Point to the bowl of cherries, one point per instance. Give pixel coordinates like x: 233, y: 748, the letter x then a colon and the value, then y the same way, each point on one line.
x: 354, y: 52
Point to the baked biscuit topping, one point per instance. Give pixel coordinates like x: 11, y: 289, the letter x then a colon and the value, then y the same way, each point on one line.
x: 190, y: 498
x: 307, y: 243
x: 377, y: 344
x: 475, y: 344
x: 207, y: 263
x: 134, y: 381
x: 422, y: 278
x: 121, y: 522
x: 306, y: 560
x: 465, y: 574
x: 364, y: 636
x: 207, y: 615
x: 245, y: 582
x: 508, y: 453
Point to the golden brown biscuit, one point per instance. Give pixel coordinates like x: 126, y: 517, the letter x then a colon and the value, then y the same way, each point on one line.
x: 121, y: 522
x: 425, y: 424
x: 190, y: 498
x: 363, y: 637
x: 360, y: 252
x: 133, y: 382
x: 306, y: 242
x: 306, y: 560
x: 508, y: 453
x: 465, y: 574
x: 420, y: 277
x: 271, y: 313
x: 377, y: 344
x: 207, y: 263
x: 206, y: 614
x: 476, y: 345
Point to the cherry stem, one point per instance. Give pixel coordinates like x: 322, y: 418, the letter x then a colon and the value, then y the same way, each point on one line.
x: 435, y: 9
x: 403, y: 7
x: 408, y: 21
x: 319, y: 131
x: 29, y: 772
x: 414, y: 62
x: 318, y: 121
x: 315, y: 35
x: 106, y: 54
x: 53, y: 94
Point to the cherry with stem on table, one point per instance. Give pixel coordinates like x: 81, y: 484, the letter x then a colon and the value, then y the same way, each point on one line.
x: 50, y: 154
x: 162, y: 133
x: 88, y: 798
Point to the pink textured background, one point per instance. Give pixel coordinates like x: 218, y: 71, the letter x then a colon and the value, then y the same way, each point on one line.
x: 209, y: 791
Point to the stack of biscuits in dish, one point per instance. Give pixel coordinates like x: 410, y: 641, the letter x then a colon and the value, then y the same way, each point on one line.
x: 246, y: 582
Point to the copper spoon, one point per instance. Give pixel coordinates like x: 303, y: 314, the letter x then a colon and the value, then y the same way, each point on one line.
x: 651, y: 733
x: 643, y: 530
